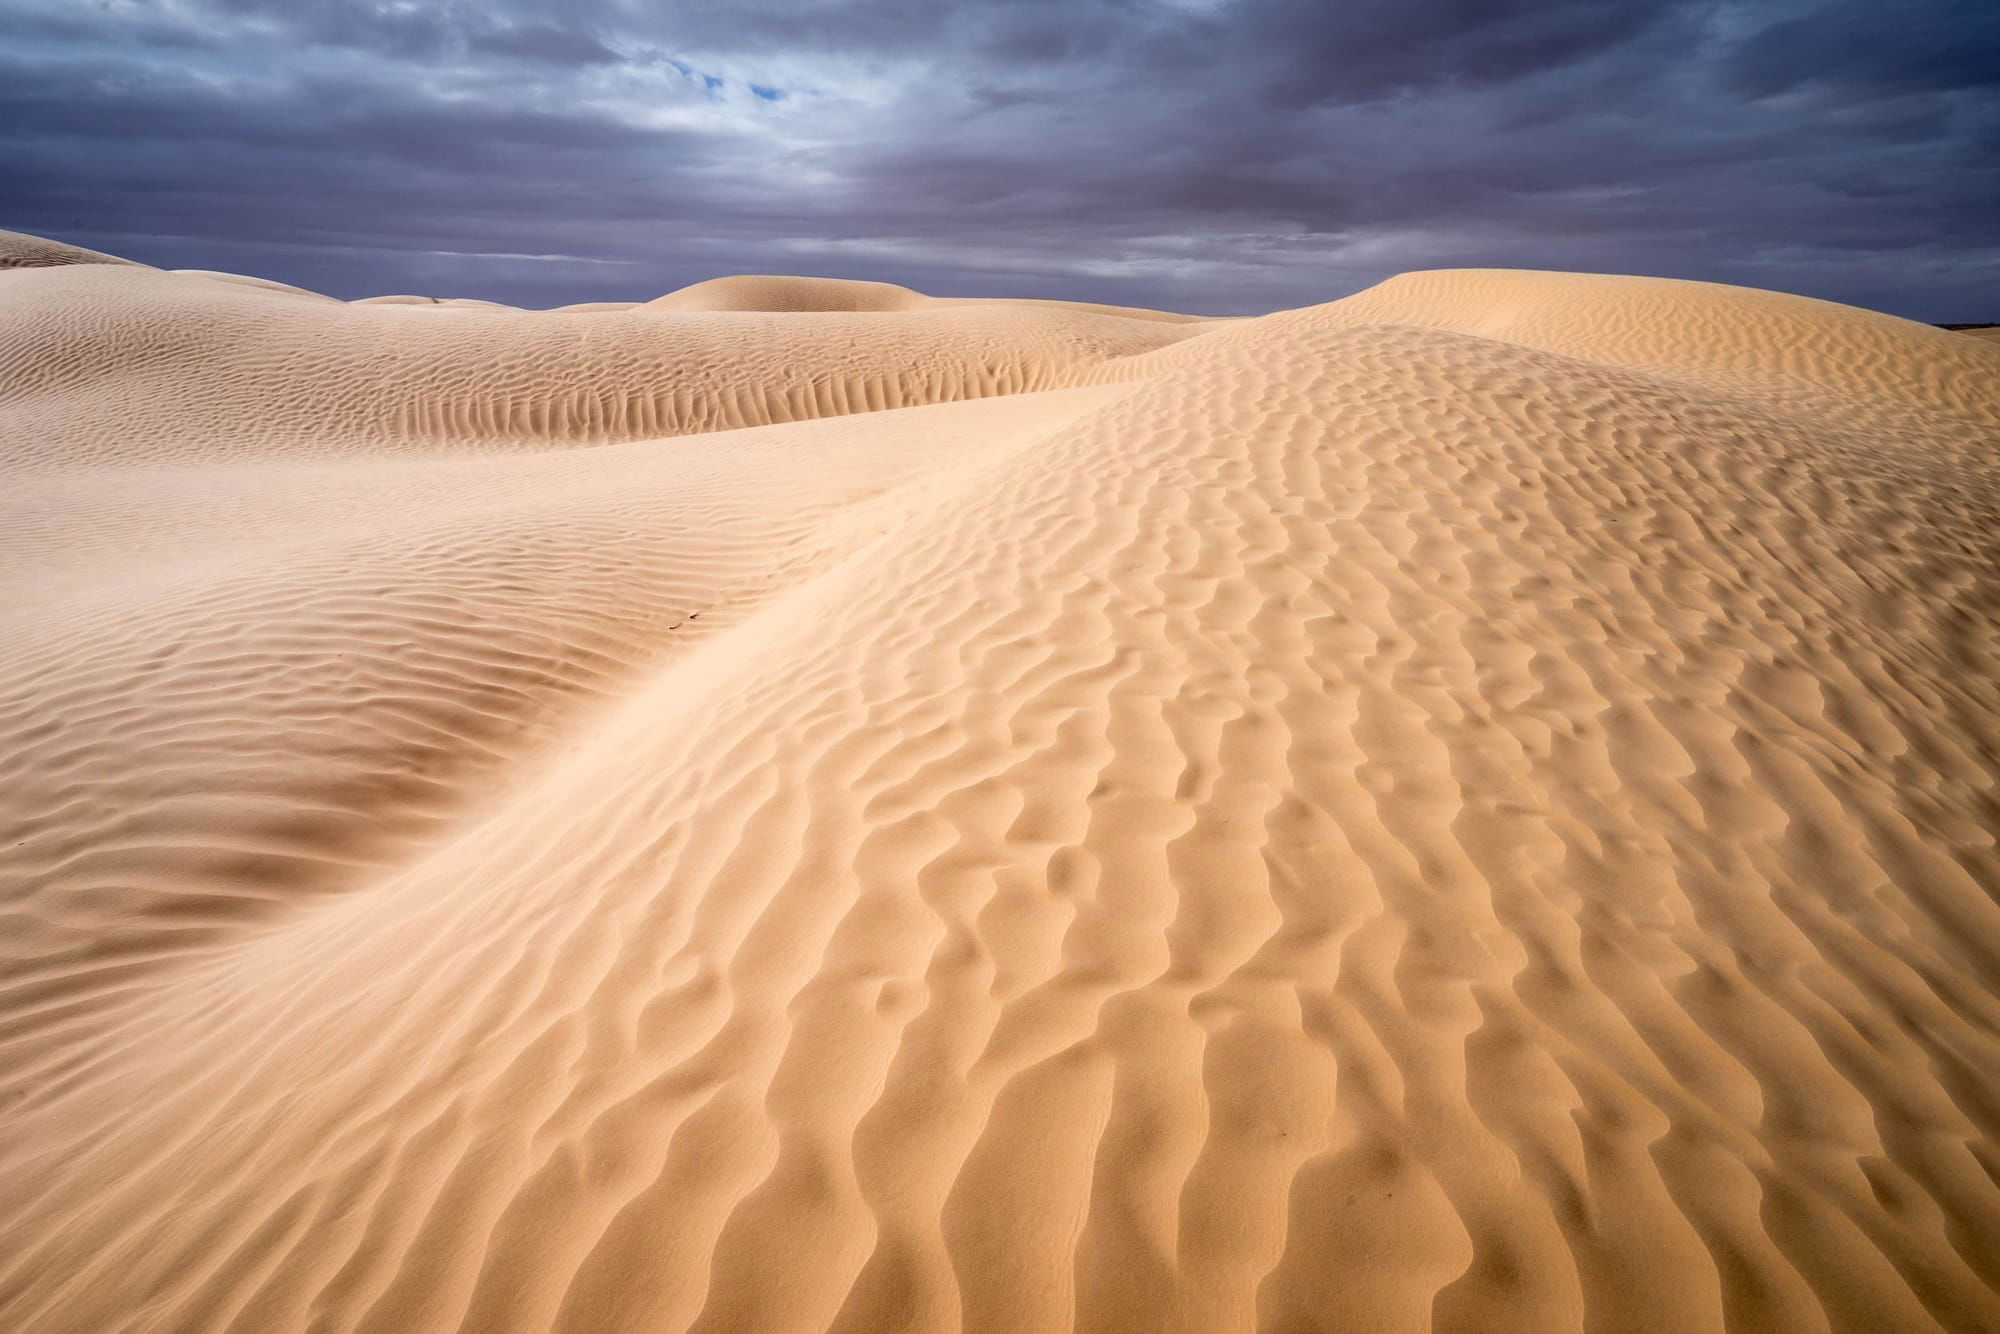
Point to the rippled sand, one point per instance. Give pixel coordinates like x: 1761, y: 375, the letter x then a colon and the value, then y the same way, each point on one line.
x: 800, y: 805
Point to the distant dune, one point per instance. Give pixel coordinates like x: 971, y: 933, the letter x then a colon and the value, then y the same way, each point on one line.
x: 802, y: 805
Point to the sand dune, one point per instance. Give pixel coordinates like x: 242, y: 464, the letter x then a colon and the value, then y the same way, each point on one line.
x: 246, y: 280
x: 778, y: 292
x: 121, y: 367
x: 21, y: 251
x: 802, y: 805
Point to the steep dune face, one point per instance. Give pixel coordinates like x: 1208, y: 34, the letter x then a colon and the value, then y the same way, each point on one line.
x: 1469, y: 807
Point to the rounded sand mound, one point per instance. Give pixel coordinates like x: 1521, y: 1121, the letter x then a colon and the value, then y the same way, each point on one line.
x: 776, y: 292
x: 1764, y: 342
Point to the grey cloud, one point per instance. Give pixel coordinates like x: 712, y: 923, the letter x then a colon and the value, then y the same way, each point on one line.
x: 1867, y: 48
x: 1317, y: 54
x: 1232, y: 157
x: 542, y: 42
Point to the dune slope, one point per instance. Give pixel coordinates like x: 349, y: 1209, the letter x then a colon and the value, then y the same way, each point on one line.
x: 1469, y: 807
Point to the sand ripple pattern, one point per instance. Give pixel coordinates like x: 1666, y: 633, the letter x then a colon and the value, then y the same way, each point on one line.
x: 1471, y: 807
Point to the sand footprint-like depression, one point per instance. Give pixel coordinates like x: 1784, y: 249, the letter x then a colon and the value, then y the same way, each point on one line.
x: 801, y: 805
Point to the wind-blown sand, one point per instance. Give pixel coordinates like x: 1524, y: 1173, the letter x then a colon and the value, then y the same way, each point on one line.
x: 799, y: 805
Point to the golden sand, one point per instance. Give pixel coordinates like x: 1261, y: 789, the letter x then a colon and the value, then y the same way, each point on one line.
x: 799, y: 805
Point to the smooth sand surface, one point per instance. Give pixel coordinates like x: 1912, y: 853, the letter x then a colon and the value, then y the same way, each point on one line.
x: 798, y: 805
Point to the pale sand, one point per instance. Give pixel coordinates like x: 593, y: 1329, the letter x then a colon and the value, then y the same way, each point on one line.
x: 800, y: 805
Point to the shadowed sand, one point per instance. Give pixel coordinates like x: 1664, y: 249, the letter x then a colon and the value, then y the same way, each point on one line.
x: 801, y: 805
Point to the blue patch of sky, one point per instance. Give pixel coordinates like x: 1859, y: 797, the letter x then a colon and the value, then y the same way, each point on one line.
x: 713, y: 84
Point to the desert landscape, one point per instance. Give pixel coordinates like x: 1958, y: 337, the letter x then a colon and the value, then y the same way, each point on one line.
x: 802, y: 805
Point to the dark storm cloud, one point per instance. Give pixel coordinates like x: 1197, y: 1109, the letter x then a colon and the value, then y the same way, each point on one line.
x: 1207, y: 154
x: 1314, y: 54
x: 1873, y: 50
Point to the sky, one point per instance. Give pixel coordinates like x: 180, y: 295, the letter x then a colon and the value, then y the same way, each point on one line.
x: 1220, y: 156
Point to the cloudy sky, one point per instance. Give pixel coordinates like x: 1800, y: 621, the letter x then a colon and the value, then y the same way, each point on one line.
x: 1211, y: 155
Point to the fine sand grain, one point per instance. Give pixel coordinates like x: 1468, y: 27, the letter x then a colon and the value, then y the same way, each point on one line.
x: 801, y: 805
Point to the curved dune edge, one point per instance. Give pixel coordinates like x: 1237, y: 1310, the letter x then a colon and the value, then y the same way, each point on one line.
x: 1467, y: 807
x: 18, y: 250
x: 245, y: 280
